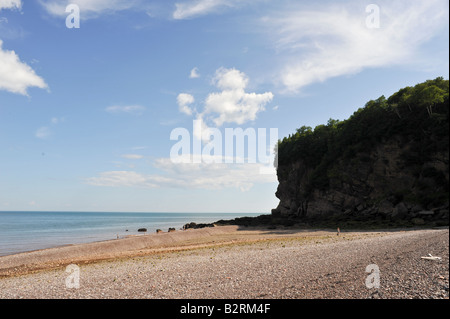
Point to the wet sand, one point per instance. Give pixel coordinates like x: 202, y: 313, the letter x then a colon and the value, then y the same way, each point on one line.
x: 140, y: 245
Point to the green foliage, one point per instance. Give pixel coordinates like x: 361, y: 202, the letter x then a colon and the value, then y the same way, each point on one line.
x: 419, y: 113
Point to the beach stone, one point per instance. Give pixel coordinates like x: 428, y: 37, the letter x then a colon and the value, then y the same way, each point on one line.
x: 197, y: 226
x: 159, y: 231
x: 142, y: 230
x: 190, y: 226
x: 171, y: 230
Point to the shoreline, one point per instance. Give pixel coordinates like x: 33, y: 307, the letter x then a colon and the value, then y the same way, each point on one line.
x: 238, y: 263
x: 156, y: 243
x: 25, y: 231
x: 159, y: 243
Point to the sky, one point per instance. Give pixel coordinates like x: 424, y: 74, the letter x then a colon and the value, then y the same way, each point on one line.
x: 128, y: 109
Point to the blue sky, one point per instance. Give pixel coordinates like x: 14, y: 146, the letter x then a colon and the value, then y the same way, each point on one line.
x: 86, y: 113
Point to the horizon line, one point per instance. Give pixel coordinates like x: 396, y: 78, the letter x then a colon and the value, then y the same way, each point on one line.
x: 123, y: 212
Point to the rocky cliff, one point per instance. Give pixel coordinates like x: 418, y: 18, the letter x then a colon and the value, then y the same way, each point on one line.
x: 388, y: 161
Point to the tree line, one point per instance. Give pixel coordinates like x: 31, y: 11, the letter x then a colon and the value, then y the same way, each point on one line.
x: 419, y: 114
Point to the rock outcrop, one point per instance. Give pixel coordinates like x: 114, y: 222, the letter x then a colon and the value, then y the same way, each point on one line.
x: 396, y: 177
x: 382, y: 185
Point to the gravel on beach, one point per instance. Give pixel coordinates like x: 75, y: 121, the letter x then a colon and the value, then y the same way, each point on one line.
x: 292, y: 268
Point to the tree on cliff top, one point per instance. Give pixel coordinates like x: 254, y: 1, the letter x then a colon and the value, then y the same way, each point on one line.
x: 415, y: 113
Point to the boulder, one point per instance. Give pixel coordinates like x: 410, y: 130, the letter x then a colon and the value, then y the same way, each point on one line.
x: 385, y: 207
x: 197, y: 226
x: 142, y: 230
x: 190, y: 226
x: 400, y: 211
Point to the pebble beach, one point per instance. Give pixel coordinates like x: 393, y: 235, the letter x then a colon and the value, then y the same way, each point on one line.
x: 238, y: 264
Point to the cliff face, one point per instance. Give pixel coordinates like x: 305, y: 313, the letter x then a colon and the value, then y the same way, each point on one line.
x: 403, y: 176
x: 376, y: 184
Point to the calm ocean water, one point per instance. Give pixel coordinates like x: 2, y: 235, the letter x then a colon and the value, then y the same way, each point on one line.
x: 27, y: 231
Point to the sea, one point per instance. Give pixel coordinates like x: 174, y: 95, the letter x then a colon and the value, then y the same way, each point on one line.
x: 29, y: 231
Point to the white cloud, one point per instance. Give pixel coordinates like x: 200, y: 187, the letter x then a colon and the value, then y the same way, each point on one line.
x: 133, y: 156
x: 202, y: 131
x: 10, y: 4
x: 191, y: 9
x: 57, y: 120
x: 179, y: 175
x: 333, y: 40
x: 195, y: 8
x: 233, y: 104
x: 131, y: 109
x: 230, y: 79
x: 15, y: 75
x: 121, y: 179
x: 43, y: 132
x: 194, y: 73
x: 11, y: 33
x: 88, y: 8
x: 138, y: 148
x: 184, y: 100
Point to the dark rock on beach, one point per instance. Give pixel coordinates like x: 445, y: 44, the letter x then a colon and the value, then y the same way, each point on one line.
x: 197, y: 226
